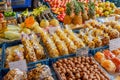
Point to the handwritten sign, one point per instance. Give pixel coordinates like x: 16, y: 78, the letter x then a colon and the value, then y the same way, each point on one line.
x: 114, y: 44
x: 19, y: 65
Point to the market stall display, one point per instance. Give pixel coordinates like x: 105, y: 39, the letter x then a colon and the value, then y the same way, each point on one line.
x: 60, y: 40
x: 79, y: 68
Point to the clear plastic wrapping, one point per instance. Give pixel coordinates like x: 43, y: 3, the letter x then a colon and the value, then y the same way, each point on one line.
x: 113, y: 33
x: 39, y: 51
x: 105, y: 39
x: 108, y: 60
x: 14, y: 53
x: 29, y: 50
x: 77, y: 41
x: 41, y: 72
x: 61, y: 46
x: 50, y: 45
x: 70, y: 45
x: 15, y: 74
x: 97, y: 41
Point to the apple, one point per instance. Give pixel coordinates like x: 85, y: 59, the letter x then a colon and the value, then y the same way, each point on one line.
x: 1, y: 15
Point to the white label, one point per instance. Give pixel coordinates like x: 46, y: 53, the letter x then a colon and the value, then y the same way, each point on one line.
x: 114, y: 44
x: 19, y: 65
x: 52, y: 30
x: 82, y: 52
x: 111, y: 18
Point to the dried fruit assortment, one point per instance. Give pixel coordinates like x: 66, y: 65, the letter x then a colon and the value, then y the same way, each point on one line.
x: 109, y: 60
x: 96, y: 34
x: 41, y: 72
x: 67, y: 40
x: 30, y: 50
x: 76, y: 68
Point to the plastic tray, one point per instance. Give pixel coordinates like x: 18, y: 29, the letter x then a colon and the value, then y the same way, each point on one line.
x: 44, y: 61
x: 59, y: 78
x: 24, y: 4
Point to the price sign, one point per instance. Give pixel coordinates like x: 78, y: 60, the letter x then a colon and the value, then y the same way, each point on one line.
x: 114, y: 44
x: 82, y: 52
x: 111, y: 18
x: 19, y: 65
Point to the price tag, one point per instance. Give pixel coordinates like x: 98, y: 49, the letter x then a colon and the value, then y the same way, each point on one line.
x: 111, y: 18
x: 52, y: 30
x: 114, y: 44
x: 18, y: 64
x: 82, y: 52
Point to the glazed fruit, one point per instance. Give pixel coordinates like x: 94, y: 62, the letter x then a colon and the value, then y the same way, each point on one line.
x: 99, y: 57
x: 109, y: 66
x: 117, y: 63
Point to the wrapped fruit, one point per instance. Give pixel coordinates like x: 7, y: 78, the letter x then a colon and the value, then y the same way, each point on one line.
x: 102, y: 27
x: 85, y: 39
x: 14, y: 53
x: 113, y: 34
x: 108, y: 54
x: 97, y: 42
x: 39, y: 51
x: 109, y: 66
x: 90, y: 43
x: 116, y: 52
x: 50, y: 45
x: 70, y: 45
x: 41, y: 72
x: 117, y: 27
x: 99, y: 57
x: 105, y: 39
x: 61, y: 46
x: 97, y: 32
x: 29, y: 50
x: 15, y: 74
x: 116, y: 61
x: 77, y: 41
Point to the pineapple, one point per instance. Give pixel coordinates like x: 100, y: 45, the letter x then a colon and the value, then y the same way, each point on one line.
x: 67, y: 18
x: 84, y: 12
x: 91, y: 11
x: 77, y: 18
